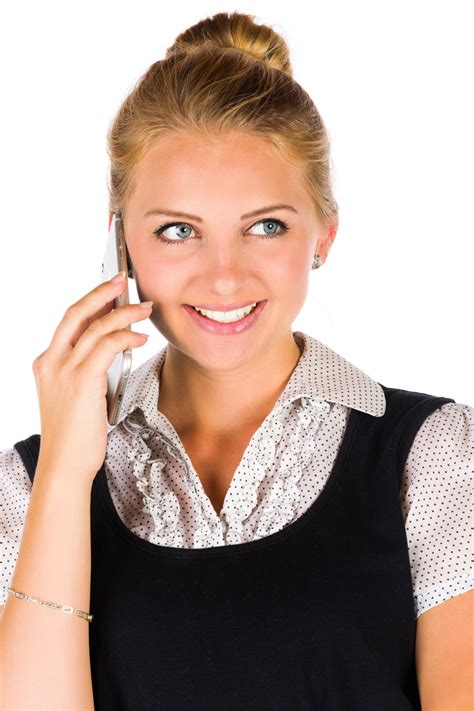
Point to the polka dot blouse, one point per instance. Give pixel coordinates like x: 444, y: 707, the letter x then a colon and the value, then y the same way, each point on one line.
x: 159, y: 495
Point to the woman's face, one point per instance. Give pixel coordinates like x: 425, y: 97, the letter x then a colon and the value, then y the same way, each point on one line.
x: 215, y: 254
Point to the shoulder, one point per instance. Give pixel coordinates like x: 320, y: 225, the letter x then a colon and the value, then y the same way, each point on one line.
x: 13, y: 472
x: 447, y: 432
x: 436, y: 498
x: 15, y: 489
x: 439, y: 466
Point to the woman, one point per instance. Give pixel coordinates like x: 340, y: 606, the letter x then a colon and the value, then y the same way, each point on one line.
x: 254, y: 530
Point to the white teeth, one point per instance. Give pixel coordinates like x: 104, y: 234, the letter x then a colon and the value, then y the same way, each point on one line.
x: 227, y: 316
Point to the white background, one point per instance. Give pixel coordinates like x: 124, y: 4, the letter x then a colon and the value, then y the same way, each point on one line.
x: 393, y: 83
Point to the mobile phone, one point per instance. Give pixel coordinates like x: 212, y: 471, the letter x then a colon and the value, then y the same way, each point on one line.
x: 116, y: 260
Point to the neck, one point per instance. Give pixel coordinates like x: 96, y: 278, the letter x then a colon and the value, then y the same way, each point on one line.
x: 199, y: 400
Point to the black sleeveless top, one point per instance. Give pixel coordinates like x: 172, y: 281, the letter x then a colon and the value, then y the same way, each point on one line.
x: 317, y: 616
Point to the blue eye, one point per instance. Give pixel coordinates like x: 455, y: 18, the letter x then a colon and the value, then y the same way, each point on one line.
x: 165, y: 226
x: 273, y: 221
x: 277, y: 223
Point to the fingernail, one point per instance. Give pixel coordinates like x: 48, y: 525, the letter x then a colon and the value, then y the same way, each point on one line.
x: 146, y: 304
x: 118, y: 277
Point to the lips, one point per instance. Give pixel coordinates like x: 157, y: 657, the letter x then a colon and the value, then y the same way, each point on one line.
x: 252, y: 308
x: 224, y: 307
x: 226, y: 329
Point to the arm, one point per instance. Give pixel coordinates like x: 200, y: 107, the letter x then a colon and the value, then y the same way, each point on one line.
x: 445, y: 655
x: 437, y: 504
x: 44, y: 653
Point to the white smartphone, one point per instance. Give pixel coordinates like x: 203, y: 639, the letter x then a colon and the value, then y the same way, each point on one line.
x: 116, y: 260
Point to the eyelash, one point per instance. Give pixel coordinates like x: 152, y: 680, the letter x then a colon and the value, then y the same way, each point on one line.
x: 165, y: 225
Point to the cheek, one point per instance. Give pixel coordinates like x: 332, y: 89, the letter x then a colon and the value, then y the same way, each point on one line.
x: 158, y: 283
x: 294, y: 266
x: 294, y: 278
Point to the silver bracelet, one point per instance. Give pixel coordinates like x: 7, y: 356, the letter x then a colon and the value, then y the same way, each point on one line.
x: 63, y: 608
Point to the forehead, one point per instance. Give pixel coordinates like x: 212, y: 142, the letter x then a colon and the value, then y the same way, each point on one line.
x: 199, y: 146
x: 231, y: 165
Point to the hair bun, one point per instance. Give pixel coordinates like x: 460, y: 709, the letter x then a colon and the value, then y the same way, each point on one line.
x: 222, y: 75
x: 238, y: 31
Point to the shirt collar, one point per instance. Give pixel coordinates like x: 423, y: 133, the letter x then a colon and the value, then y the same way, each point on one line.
x: 320, y: 374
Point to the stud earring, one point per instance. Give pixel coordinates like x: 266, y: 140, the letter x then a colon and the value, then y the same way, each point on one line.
x: 317, y: 261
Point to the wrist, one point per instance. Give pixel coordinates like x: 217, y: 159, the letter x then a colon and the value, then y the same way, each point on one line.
x: 62, y: 478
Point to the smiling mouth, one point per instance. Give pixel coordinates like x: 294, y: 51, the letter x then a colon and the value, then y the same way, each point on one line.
x: 229, y: 316
x: 224, y: 307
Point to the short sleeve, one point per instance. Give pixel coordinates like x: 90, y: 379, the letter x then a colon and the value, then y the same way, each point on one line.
x: 15, y: 488
x: 437, y: 503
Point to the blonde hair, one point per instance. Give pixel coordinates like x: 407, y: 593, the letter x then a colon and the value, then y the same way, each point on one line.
x: 225, y: 73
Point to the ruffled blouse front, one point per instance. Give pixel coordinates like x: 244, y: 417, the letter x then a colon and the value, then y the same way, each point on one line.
x: 276, y: 454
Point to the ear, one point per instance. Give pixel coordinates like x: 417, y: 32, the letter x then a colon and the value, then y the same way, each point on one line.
x: 332, y: 231
x: 329, y: 238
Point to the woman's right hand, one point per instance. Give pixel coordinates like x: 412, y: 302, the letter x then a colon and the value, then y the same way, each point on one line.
x: 71, y: 380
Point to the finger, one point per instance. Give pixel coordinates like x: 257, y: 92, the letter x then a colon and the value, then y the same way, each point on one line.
x: 99, y: 360
x: 80, y: 315
x: 117, y: 320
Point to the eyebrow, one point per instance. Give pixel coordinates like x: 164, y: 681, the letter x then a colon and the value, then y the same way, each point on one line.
x: 253, y: 213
